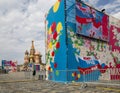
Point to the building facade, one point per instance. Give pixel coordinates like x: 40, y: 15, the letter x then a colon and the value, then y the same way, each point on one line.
x: 81, y: 39
x: 32, y: 60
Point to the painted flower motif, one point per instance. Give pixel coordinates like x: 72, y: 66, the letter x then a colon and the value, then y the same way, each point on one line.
x: 87, y: 43
x: 56, y: 6
x: 55, y: 65
x: 53, y: 53
x: 76, y: 75
x: 53, y: 42
x: 59, y: 27
x: 55, y: 35
x: 76, y: 78
x: 57, y: 73
x: 50, y: 45
x: 49, y: 31
x: 53, y: 26
x: 57, y: 45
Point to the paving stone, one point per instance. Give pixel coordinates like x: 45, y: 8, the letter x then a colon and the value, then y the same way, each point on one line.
x: 50, y: 87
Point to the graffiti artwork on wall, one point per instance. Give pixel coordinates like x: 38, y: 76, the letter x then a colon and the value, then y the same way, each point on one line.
x: 71, y: 56
x: 88, y: 56
x: 90, y: 22
x: 91, y: 55
x: 114, y: 34
x: 56, y: 41
x: 115, y: 47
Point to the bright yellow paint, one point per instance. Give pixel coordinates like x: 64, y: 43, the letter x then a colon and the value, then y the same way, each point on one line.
x: 50, y: 45
x: 56, y: 6
x: 59, y: 27
x: 78, y: 75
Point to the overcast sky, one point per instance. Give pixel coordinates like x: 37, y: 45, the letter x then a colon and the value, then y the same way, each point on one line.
x: 22, y: 21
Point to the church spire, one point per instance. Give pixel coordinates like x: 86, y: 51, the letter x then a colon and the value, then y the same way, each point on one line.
x: 32, y: 50
x: 32, y: 47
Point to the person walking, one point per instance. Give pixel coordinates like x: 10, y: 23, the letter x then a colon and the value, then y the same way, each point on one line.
x: 34, y: 73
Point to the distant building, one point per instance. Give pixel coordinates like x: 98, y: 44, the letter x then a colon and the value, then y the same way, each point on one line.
x: 9, y: 66
x: 32, y: 59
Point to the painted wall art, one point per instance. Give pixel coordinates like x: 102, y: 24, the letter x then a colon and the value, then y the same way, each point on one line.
x: 91, y: 22
x: 81, y: 42
x: 56, y: 42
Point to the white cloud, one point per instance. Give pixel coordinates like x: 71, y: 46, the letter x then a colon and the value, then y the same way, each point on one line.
x: 20, y: 22
x: 111, y: 6
x: 92, y: 2
x: 117, y: 15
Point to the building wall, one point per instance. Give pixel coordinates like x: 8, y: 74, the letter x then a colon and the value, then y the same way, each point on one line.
x: 73, y: 56
x: 56, y: 42
x: 86, y: 53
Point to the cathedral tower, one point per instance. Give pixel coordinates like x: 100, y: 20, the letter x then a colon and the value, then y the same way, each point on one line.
x: 33, y: 57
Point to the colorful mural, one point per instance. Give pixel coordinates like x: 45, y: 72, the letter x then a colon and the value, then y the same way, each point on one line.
x: 114, y: 34
x: 88, y: 55
x: 115, y: 47
x: 75, y: 57
x: 56, y: 42
x: 90, y: 22
x: 9, y: 66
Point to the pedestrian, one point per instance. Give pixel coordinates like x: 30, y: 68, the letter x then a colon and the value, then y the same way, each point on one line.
x: 34, y: 73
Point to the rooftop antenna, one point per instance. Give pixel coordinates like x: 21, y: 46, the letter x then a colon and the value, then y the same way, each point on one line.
x: 103, y: 10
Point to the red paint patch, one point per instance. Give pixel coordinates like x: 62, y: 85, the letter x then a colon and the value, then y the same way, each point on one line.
x: 76, y: 78
x: 59, y: 0
x: 57, y: 44
x: 55, y: 35
x: 55, y: 65
x: 53, y: 53
x: 75, y: 74
x: 53, y: 27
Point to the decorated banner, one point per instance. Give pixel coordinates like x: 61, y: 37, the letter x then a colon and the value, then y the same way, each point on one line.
x: 9, y: 65
x: 90, y: 22
x: 13, y: 66
x: 37, y: 67
x: 6, y: 63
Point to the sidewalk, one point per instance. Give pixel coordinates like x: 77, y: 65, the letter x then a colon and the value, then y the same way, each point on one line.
x: 42, y: 86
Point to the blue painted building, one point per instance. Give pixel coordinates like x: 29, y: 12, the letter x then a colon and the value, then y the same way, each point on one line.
x: 78, y: 40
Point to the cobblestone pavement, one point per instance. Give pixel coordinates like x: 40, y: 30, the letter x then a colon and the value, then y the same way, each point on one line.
x: 40, y: 86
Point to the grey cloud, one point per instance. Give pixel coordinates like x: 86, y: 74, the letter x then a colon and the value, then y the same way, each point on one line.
x: 21, y: 22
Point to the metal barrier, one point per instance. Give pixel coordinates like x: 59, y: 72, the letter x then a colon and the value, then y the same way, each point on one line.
x: 15, y: 76
x: 41, y: 75
x: 109, y: 76
x: 22, y: 76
